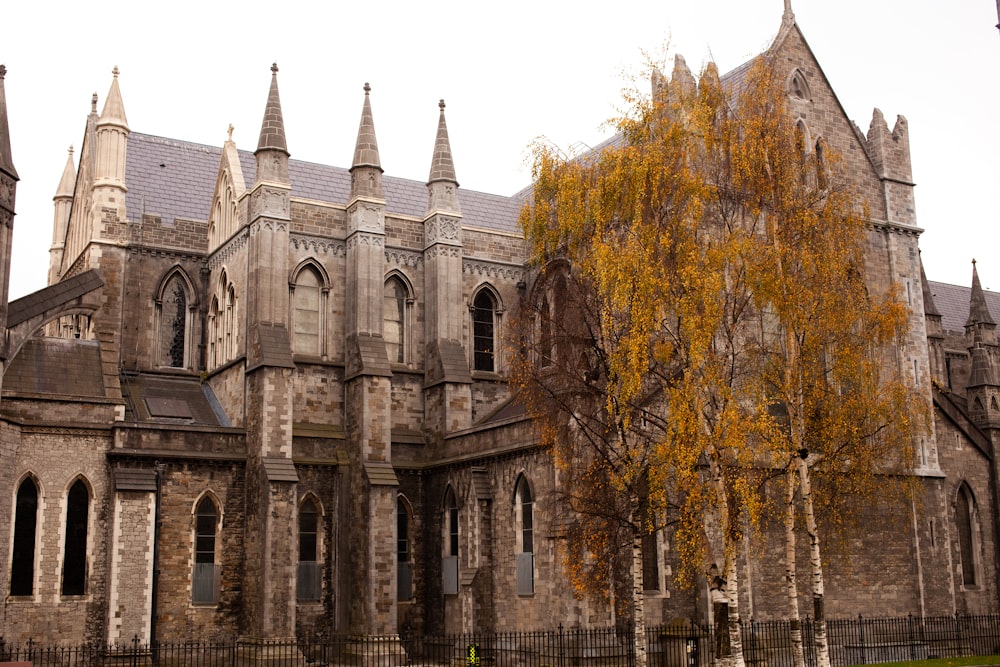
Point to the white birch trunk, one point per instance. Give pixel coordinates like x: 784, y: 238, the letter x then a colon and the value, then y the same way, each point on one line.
x: 638, y: 600
x: 791, y: 582
x: 735, y: 658
x: 816, y: 565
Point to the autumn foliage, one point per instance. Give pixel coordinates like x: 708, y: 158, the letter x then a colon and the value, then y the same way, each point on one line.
x: 701, y: 323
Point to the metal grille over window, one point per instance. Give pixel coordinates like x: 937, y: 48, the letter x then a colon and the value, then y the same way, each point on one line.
x: 525, y: 558
x: 450, y: 560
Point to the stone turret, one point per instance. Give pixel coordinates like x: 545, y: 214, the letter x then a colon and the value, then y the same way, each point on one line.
x: 109, y: 167
x: 271, y: 476
x: 8, y: 190
x: 935, y: 333
x: 980, y: 321
x: 63, y: 204
x: 447, y: 378
x: 890, y: 153
x: 370, y: 604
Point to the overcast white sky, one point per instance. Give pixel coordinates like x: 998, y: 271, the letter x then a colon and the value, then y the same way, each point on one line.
x: 508, y: 71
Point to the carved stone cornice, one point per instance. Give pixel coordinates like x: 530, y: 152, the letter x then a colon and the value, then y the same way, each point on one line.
x: 226, y: 251
x: 318, y: 245
x: 442, y: 250
x: 493, y: 270
x: 401, y: 257
x: 365, y: 216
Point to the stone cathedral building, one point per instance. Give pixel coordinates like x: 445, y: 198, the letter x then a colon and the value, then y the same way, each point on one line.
x: 267, y: 398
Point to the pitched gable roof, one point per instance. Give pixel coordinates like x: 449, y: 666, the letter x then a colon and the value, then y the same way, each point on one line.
x: 953, y: 303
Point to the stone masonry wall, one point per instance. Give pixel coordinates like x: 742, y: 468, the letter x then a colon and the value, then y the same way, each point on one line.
x: 130, y: 600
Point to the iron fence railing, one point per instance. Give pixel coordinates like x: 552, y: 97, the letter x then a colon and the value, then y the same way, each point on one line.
x: 853, y: 641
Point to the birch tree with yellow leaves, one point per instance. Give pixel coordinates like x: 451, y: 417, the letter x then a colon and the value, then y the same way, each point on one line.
x: 706, y: 272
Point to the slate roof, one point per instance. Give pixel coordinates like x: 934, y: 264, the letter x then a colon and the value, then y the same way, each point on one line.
x: 57, y: 366
x: 953, y: 303
x: 176, y: 179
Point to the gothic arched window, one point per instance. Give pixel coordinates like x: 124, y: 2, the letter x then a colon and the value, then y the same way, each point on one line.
x: 524, y: 521
x: 173, y: 322
x: 484, y: 316
x: 204, y: 580
x: 74, y: 579
x: 310, y: 579
x: 965, y: 518
x: 22, y: 566
x: 404, y: 564
x: 450, y: 558
x: 394, y: 320
x: 306, y: 299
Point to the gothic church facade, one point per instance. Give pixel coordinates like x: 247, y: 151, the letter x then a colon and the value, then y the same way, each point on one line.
x: 268, y: 398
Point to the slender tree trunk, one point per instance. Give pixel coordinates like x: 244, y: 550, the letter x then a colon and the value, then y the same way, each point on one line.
x: 730, y: 573
x: 638, y: 599
x: 791, y: 582
x: 816, y: 564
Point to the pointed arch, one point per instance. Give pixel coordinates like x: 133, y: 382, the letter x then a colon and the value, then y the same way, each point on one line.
x: 967, y: 524
x: 27, y: 511
x: 397, y: 304
x: 524, y: 522
x: 309, y: 584
x: 213, y: 332
x: 404, y: 552
x: 309, y: 289
x: 797, y: 86
x: 486, y: 311
x: 175, y: 308
x: 79, y: 496
x: 451, y: 537
x: 207, y: 525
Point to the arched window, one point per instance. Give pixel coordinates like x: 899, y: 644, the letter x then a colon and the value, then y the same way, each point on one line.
x: 213, y: 333
x: 204, y: 580
x: 173, y: 325
x: 404, y: 564
x: 306, y: 299
x: 74, y: 578
x: 450, y: 559
x: 797, y: 86
x: 821, y: 175
x: 524, y: 521
x: 232, y: 324
x: 484, y: 312
x: 394, y: 320
x: 22, y: 566
x: 310, y: 580
x: 545, y: 315
x: 965, y: 517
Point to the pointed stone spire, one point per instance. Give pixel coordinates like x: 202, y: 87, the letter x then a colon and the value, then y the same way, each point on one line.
x: 114, y: 110
x: 981, y: 373
x: 6, y: 162
x: 442, y: 166
x: 930, y: 308
x: 68, y: 181
x: 366, y: 149
x: 272, y: 129
x: 979, y: 313
x: 366, y: 168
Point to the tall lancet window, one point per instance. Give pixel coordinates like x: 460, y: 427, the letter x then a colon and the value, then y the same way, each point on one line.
x: 173, y: 322
x: 394, y: 320
x: 306, y: 297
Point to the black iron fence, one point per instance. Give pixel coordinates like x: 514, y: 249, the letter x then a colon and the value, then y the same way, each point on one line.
x: 854, y: 641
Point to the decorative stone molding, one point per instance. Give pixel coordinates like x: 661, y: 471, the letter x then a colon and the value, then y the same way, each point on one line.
x: 443, y: 251
x: 271, y: 202
x: 318, y: 245
x: 363, y: 216
x: 403, y: 257
x: 230, y: 248
x: 493, y: 270
x: 362, y: 239
x: 442, y: 229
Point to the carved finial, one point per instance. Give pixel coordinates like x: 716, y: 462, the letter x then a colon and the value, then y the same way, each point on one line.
x: 71, y: 150
x: 973, y: 261
x: 368, y: 88
x: 274, y: 69
x: 788, y: 16
x: 115, y: 71
x: 93, y: 103
x: 230, y: 131
x: 441, y: 105
x: 3, y: 72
